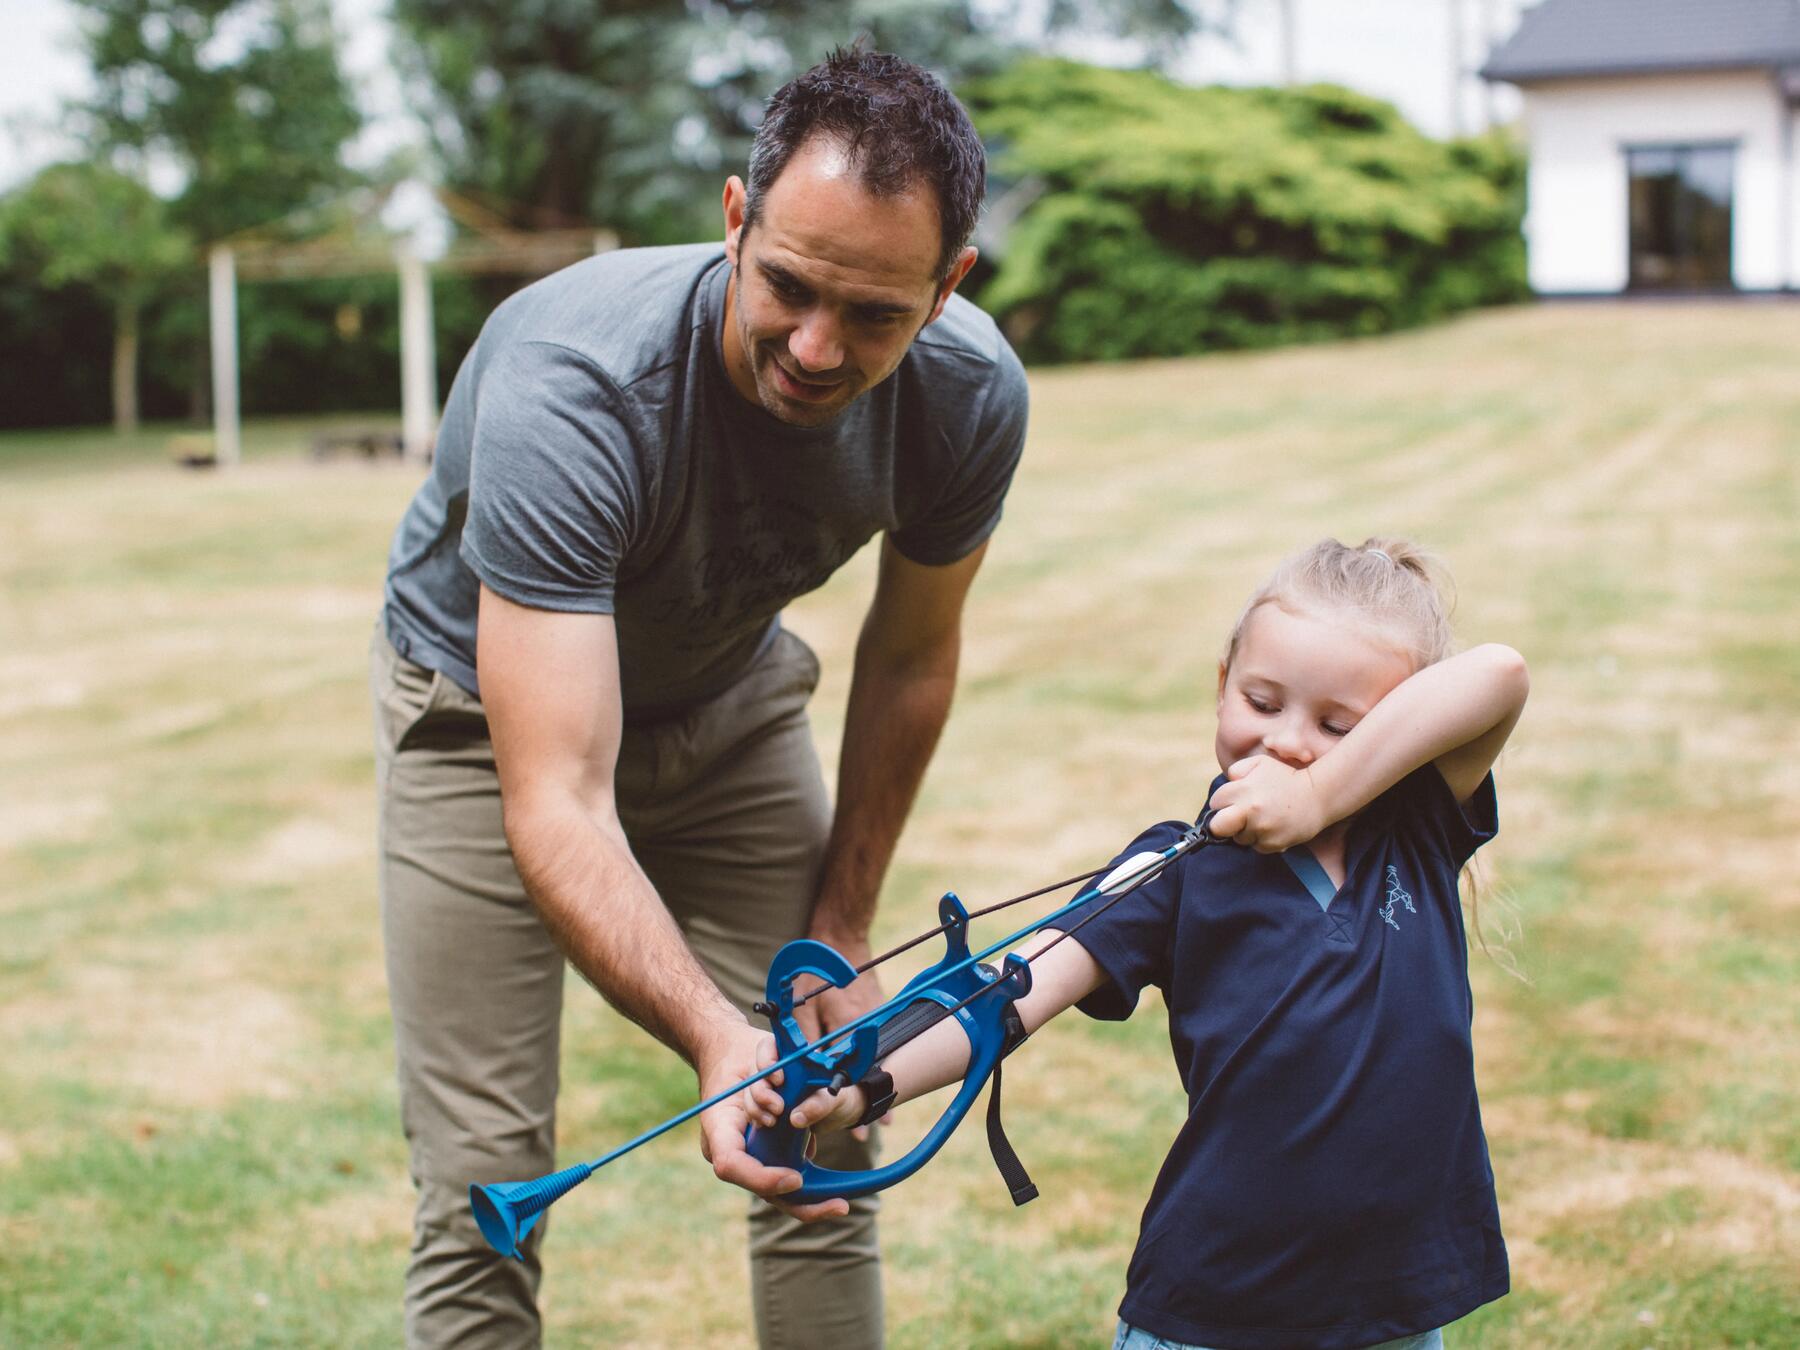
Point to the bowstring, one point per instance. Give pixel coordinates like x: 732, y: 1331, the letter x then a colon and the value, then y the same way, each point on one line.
x: 942, y: 928
x: 1201, y: 839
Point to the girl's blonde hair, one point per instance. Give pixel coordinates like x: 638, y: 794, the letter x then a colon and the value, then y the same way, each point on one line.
x: 1392, y: 586
x: 1402, y: 594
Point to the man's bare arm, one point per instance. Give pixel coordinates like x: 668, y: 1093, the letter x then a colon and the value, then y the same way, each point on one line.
x: 550, y: 686
x: 549, y: 683
x: 900, y: 693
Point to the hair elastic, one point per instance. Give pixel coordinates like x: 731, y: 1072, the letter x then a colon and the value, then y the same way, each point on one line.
x: 1379, y: 554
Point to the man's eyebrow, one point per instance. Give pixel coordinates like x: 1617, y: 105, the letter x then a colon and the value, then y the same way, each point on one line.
x: 777, y: 273
x: 780, y: 275
x: 886, y: 309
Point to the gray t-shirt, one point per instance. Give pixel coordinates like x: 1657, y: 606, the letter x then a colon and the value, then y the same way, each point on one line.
x: 595, y: 457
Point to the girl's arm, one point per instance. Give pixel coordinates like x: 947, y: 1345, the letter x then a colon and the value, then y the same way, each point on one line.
x: 1059, y: 978
x: 1456, y: 714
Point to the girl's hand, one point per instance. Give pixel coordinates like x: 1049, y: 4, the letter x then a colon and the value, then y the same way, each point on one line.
x: 1268, y: 805
x: 823, y: 1113
x: 762, y: 1103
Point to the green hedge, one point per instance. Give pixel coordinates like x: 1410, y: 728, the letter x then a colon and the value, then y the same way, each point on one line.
x: 1176, y: 219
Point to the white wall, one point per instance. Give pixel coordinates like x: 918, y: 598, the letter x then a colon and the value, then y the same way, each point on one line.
x: 1577, y: 215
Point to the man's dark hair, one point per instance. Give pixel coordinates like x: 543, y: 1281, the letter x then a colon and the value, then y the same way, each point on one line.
x: 899, y: 126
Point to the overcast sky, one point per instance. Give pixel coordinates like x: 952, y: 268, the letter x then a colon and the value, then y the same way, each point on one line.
x: 1396, y: 49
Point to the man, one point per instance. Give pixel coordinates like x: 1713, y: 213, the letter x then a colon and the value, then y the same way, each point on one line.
x: 591, y: 727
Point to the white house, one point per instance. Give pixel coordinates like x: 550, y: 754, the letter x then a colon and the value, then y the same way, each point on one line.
x: 1662, y: 139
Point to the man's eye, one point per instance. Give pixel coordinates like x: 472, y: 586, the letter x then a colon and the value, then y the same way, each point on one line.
x: 787, y: 290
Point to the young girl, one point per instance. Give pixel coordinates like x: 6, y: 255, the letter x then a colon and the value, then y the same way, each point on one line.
x: 1330, y: 1188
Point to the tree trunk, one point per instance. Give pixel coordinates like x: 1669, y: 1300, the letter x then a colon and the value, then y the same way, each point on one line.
x: 124, y: 368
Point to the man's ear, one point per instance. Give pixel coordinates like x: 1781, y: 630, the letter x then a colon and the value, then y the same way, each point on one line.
x: 958, y: 270
x: 734, y: 217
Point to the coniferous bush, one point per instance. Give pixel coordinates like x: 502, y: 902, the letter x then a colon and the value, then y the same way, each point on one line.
x: 1176, y: 219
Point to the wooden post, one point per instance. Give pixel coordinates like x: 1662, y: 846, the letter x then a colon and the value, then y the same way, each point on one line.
x: 222, y: 286
x: 418, y: 357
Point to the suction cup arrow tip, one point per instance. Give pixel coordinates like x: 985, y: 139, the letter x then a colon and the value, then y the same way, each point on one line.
x: 497, y: 1218
x: 506, y: 1211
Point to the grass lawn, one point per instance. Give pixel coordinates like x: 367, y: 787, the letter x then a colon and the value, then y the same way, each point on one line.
x: 198, y: 1132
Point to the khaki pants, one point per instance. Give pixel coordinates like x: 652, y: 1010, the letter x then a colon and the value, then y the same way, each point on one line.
x: 726, y: 812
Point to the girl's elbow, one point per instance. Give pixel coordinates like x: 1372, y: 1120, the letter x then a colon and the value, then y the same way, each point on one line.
x: 1510, y: 675
x: 1517, y: 674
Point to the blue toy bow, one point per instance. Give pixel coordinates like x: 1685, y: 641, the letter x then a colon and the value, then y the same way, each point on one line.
x: 959, y: 985
x: 980, y: 999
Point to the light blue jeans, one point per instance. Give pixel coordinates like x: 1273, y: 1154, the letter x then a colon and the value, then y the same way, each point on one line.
x: 1135, y: 1338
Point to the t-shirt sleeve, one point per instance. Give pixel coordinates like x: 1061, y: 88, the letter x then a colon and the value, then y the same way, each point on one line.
x: 554, y: 489
x: 1421, y: 804
x: 1132, y: 939
x: 969, y: 507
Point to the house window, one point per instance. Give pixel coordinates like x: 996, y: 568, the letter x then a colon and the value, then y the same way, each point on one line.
x: 1680, y: 216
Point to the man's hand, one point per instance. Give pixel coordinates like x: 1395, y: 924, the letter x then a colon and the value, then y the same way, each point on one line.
x: 733, y: 1057
x: 1267, y: 805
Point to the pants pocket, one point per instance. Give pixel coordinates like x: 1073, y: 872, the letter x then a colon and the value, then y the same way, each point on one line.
x: 405, y: 692
x: 798, y: 657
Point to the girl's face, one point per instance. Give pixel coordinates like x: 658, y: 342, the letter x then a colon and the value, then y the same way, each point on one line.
x: 1297, y: 683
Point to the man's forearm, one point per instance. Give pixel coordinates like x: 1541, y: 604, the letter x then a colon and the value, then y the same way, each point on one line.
x: 603, y: 912
x: 891, y: 727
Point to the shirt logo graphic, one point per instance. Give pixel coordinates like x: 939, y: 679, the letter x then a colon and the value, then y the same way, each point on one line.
x: 1395, y: 895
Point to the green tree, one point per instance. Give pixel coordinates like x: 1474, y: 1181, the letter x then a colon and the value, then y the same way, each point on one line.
x: 90, y: 226
x: 245, y: 99
x: 629, y: 115
x: 244, y: 104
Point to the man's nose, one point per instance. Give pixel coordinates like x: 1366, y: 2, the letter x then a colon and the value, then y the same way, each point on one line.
x: 815, y: 345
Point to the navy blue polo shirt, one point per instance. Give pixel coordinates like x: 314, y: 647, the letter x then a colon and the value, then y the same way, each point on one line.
x: 1331, y: 1187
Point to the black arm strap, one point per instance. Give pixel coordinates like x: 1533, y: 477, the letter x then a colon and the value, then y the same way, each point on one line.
x: 1006, y: 1158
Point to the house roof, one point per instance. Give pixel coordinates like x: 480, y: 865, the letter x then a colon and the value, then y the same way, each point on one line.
x: 1561, y: 39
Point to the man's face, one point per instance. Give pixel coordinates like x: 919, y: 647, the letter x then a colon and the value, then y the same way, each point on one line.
x: 829, y: 288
